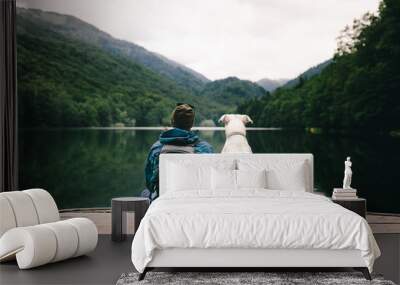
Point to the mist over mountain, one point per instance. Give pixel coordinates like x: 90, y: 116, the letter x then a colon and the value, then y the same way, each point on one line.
x: 75, y: 28
x: 66, y: 82
x: 231, y: 91
x: 271, y: 84
x: 357, y: 91
x: 309, y: 73
x: 72, y: 74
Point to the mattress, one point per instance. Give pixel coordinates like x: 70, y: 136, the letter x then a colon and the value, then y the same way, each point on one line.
x: 250, y: 219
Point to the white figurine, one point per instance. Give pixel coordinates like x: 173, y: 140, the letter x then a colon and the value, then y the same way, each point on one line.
x: 347, y: 174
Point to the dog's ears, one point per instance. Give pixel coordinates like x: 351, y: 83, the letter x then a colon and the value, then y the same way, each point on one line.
x: 223, y: 119
x: 247, y: 119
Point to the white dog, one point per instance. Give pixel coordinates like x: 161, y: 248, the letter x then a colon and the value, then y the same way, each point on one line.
x: 235, y: 132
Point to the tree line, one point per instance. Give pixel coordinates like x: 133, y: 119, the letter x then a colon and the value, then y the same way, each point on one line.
x: 359, y: 90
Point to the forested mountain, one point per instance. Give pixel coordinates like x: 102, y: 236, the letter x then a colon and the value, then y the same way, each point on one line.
x: 358, y: 91
x: 71, y: 74
x: 72, y: 27
x: 66, y: 82
x: 271, y: 84
x: 312, y: 71
x: 231, y: 91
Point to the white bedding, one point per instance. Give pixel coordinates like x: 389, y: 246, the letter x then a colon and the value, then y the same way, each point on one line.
x: 252, y: 218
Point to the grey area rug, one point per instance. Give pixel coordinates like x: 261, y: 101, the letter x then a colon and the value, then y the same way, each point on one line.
x: 229, y: 278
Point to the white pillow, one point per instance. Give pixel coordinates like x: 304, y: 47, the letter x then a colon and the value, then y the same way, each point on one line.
x: 292, y: 178
x: 183, y: 178
x: 231, y: 180
x: 251, y: 178
x: 223, y: 179
x: 285, y: 174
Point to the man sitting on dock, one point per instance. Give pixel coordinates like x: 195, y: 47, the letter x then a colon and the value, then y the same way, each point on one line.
x: 179, y: 139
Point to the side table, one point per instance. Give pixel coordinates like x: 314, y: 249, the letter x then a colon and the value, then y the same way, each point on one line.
x: 357, y: 205
x: 119, y: 206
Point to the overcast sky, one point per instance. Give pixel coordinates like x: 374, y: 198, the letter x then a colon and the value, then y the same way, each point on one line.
x: 250, y: 39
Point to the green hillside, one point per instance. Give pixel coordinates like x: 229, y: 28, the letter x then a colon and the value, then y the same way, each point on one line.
x: 64, y: 82
x: 271, y: 85
x: 359, y: 90
x: 231, y: 91
x: 71, y: 74
x: 309, y: 73
x: 74, y: 28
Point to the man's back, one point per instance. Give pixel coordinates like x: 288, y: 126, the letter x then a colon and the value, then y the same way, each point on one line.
x: 172, y: 141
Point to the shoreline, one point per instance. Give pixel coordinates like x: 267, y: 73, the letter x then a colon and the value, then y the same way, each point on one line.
x: 156, y: 128
x: 312, y: 131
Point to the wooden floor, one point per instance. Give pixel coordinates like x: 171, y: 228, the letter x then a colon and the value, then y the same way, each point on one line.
x: 384, y: 223
x: 111, y: 259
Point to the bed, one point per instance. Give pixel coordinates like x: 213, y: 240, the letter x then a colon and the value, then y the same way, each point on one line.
x: 247, y: 210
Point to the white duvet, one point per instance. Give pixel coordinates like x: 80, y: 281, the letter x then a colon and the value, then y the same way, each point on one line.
x: 250, y: 219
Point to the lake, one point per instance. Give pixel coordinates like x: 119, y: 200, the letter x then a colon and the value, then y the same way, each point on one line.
x: 87, y: 167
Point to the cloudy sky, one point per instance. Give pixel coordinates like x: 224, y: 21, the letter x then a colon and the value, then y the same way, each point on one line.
x: 250, y: 39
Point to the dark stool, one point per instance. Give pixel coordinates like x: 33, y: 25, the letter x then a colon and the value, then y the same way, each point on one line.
x: 119, y: 206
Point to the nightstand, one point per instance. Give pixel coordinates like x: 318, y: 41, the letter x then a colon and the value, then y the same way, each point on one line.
x: 357, y: 205
x: 119, y: 208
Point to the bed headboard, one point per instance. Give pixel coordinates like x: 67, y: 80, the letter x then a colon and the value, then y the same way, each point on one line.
x: 211, y: 159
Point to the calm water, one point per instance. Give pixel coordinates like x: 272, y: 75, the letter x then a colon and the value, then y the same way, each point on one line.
x: 87, y: 167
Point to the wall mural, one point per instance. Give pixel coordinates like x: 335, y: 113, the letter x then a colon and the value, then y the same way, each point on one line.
x: 84, y: 91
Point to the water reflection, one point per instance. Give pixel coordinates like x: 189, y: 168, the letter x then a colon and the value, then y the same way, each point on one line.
x: 87, y: 167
